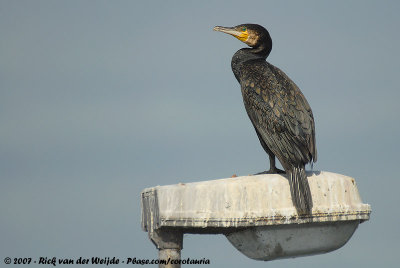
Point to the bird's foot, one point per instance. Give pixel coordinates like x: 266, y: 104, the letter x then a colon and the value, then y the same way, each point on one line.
x: 272, y: 171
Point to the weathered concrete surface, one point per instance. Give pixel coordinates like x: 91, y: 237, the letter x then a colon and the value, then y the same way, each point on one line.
x: 257, y: 215
x: 250, y: 201
x: 169, y: 245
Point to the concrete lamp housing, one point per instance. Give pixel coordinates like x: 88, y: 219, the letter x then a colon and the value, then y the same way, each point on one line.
x: 256, y: 214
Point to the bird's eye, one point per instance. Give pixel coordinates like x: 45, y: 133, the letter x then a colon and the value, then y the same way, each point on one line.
x: 244, y: 29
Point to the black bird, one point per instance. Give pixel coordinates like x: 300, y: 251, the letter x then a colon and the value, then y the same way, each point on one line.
x: 279, y: 112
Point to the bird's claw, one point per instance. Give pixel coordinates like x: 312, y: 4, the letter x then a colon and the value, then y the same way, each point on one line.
x: 272, y: 171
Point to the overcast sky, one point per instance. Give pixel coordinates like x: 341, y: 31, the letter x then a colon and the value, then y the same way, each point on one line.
x: 101, y: 99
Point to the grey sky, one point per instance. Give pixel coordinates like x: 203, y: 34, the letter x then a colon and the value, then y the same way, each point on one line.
x: 100, y: 99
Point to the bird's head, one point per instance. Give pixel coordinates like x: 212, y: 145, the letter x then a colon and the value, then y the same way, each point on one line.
x: 253, y: 35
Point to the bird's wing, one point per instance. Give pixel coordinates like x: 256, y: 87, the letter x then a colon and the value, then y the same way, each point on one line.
x: 280, y: 112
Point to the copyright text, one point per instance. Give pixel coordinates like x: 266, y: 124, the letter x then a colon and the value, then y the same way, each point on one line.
x: 54, y: 261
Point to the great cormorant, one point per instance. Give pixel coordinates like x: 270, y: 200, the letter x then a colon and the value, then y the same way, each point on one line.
x: 279, y: 112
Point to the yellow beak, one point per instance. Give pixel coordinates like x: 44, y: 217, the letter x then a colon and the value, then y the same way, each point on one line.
x: 241, y: 35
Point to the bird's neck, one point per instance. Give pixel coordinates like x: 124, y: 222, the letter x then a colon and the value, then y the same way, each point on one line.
x: 246, y: 54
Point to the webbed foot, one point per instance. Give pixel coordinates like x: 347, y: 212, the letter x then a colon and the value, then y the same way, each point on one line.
x: 272, y: 171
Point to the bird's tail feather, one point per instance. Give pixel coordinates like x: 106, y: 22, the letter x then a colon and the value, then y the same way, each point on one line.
x: 300, y: 190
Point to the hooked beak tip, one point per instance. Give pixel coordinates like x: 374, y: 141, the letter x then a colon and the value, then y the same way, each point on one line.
x: 217, y: 28
x: 228, y: 30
